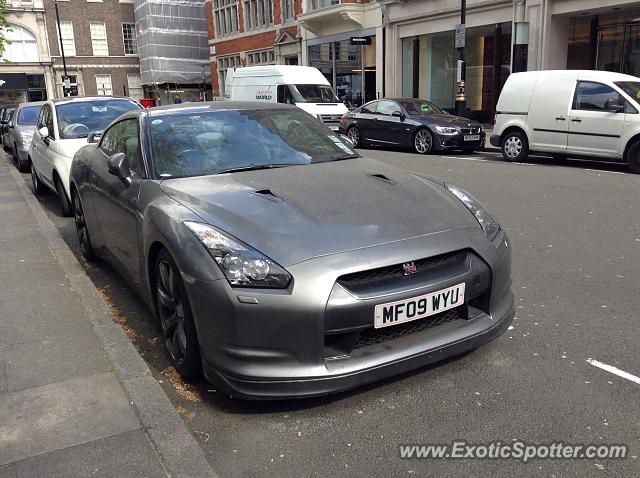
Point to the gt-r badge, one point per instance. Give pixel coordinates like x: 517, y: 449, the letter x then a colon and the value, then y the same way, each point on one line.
x: 409, y: 268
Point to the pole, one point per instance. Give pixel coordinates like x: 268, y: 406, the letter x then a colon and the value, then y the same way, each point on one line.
x: 65, y: 90
x: 363, y: 81
x: 461, y: 102
x: 203, y: 87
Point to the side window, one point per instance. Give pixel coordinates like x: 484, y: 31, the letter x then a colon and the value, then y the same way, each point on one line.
x: 369, y: 108
x: 284, y: 95
x: 48, y: 120
x: 41, y: 120
x: 386, y: 107
x: 592, y: 96
x: 124, y: 137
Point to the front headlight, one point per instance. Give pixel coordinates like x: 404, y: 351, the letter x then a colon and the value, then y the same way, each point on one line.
x: 489, y: 225
x: 242, y: 265
x: 446, y: 130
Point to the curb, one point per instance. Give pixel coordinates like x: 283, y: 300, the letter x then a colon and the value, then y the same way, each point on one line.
x: 175, y: 448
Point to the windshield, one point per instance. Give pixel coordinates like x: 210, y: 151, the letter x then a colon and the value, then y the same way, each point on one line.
x: 420, y: 107
x: 632, y: 88
x: 198, y: 143
x: 29, y: 115
x: 77, y: 119
x: 313, y: 94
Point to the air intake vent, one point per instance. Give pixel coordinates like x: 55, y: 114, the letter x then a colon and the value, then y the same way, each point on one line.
x: 268, y: 194
x: 381, y: 177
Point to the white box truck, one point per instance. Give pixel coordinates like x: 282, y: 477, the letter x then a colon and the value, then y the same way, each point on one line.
x: 302, y: 86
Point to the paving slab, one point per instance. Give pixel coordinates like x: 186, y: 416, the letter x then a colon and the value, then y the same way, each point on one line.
x: 64, y: 414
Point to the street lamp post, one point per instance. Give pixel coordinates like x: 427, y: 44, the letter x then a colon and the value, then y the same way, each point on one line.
x: 66, y: 85
x: 203, y: 85
x: 460, y: 40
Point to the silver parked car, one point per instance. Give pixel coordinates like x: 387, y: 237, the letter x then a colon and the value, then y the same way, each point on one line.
x: 20, y: 132
x: 280, y: 262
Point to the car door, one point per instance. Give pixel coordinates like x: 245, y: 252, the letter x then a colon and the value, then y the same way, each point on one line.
x: 115, y: 200
x: 40, y: 147
x: 388, y: 128
x: 364, y: 119
x: 594, y: 128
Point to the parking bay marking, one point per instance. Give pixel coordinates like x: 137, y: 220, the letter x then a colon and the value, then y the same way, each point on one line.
x: 614, y: 370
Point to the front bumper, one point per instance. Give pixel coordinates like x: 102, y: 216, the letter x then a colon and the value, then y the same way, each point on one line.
x: 445, y: 142
x: 494, y: 139
x: 282, y: 346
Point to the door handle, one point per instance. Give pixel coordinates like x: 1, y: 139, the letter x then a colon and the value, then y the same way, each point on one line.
x: 576, y: 120
x: 560, y: 118
x: 35, y: 146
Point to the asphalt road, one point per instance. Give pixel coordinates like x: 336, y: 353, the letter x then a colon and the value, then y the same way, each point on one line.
x: 575, y: 228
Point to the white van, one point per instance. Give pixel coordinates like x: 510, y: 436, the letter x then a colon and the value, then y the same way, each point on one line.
x: 570, y: 112
x: 303, y: 86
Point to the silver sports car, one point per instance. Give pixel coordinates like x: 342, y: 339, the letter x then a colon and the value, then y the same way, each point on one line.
x: 277, y: 260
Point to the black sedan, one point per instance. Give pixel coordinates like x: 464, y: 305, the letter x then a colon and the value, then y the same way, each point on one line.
x: 244, y: 228
x: 412, y: 123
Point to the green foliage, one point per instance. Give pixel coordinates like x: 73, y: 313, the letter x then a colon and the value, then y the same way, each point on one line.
x: 4, y: 26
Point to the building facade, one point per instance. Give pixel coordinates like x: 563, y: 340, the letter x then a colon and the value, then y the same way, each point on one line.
x: 25, y: 72
x: 344, y: 40
x: 252, y: 32
x: 100, y: 47
x: 559, y: 34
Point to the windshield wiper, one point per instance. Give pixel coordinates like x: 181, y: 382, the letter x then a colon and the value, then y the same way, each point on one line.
x: 255, y: 167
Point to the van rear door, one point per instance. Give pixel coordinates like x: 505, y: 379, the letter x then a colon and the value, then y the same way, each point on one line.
x: 549, y: 109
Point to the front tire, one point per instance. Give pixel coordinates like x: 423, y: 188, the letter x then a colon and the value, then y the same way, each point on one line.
x: 633, y: 158
x: 65, y: 205
x: 353, y: 134
x: 423, y: 141
x: 21, y: 165
x: 175, y: 317
x: 515, y: 147
x: 38, y: 187
x: 82, y: 229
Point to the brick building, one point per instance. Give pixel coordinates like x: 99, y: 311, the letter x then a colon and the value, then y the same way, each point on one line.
x: 99, y: 40
x: 251, y: 32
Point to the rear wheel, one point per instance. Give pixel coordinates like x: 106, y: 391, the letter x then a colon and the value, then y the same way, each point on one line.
x: 423, y: 141
x: 38, y: 187
x: 633, y: 158
x: 65, y: 205
x: 175, y: 317
x: 353, y: 134
x: 515, y: 146
x: 82, y: 230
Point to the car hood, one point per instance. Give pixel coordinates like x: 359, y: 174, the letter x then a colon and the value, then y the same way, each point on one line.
x: 296, y: 213
x: 446, y: 120
x: 25, y: 129
x: 69, y: 147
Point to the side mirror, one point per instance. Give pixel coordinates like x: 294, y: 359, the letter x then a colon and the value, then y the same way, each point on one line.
x: 94, y: 136
x: 613, y: 106
x: 346, y: 140
x: 398, y: 114
x: 10, y: 125
x: 118, y: 165
x: 44, y: 132
x: 3, y: 122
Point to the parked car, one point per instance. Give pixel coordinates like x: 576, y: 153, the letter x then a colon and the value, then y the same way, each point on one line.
x: 277, y: 259
x: 64, y: 126
x: 20, y: 132
x: 303, y: 86
x: 411, y: 123
x: 591, y: 114
x: 5, y: 116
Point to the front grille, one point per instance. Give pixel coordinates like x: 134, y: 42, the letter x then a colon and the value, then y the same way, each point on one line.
x: 470, y: 130
x: 375, y: 336
x: 374, y: 277
x: 330, y: 118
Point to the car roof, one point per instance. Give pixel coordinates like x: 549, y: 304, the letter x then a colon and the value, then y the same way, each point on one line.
x: 81, y: 99
x: 214, y: 106
x: 30, y: 103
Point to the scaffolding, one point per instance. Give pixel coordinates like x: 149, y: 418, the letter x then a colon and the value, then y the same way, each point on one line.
x: 172, y: 41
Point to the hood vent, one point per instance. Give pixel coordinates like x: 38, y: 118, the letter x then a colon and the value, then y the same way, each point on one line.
x: 381, y: 177
x: 267, y: 194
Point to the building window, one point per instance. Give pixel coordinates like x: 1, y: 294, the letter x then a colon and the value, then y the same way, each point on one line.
x: 258, y: 14
x: 129, y: 38
x: 68, y: 40
x: 353, y: 52
x: 99, y: 39
x: 263, y: 57
x: 135, y: 86
x: 224, y: 64
x: 103, y: 84
x: 288, y: 12
x: 21, y: 45
x: 225, y: 14
x: 314, y: 52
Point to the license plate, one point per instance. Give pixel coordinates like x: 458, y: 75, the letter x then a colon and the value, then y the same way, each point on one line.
x: 472, y: 137
x: 401, y: 311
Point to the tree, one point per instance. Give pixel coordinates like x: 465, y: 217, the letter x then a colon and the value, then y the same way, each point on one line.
x: 4, y: 26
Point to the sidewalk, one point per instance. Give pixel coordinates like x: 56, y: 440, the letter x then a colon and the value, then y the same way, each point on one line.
x: 76, y: 399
